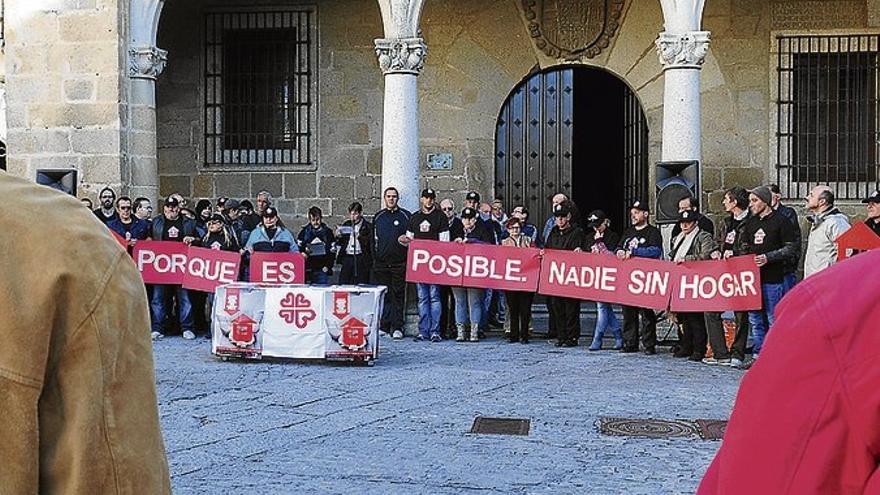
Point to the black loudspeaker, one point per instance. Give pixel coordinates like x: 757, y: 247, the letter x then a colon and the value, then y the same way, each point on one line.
x: 675, y: 181
x: 62, y: 179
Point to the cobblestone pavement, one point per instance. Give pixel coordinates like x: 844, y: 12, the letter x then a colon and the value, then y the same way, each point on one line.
x: 401, y: 427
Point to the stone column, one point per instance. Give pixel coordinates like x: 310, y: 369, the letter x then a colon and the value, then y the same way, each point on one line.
x: 682, y: 49
x: 145, y: 62
x: 401, y: 60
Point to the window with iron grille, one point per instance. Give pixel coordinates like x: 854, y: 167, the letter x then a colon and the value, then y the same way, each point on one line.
x: 827, y: 129
x: 259, y: 88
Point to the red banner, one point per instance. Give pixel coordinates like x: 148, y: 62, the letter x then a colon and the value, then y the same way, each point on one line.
x: 208, y: 268
x: 732, y: 284
x: 278, y: 268
x: 161, y: 263
x: 642, y: 282
x: 473, y: 265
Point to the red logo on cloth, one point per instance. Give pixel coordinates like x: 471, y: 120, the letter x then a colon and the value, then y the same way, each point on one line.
x: 341, y: 305
x: 233, y: 301
x: 354, y: 333
x: 243, y: 330
x: 297, y: 310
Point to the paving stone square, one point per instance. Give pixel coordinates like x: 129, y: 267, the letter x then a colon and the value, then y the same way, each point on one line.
x: 402, y: 426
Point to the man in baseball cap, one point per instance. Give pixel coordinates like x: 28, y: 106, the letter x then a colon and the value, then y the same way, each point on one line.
x: 872, y: 204
x: 472, y: 200
x: 640, y: 240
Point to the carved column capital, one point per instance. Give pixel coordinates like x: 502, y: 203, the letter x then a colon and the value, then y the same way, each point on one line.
x: 683, y: 51
x: 401, y: 55
x: 146, y: 62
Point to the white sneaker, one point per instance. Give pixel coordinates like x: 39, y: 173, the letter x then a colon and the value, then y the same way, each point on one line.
x: 397, y: 335
x: 715, y: 362
x: 157, y: 336
x: 735, y: 363
x: 188, y: 335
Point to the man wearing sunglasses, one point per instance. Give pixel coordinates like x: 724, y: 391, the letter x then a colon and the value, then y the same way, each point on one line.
x: 128, y: 226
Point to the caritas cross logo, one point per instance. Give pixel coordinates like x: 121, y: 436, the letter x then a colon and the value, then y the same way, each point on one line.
x: 297, y: 310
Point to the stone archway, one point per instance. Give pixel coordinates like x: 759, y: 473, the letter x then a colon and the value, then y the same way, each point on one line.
x: 577, y: 130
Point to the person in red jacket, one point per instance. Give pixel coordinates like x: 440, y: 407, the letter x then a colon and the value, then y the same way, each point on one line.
x: 808, y: 422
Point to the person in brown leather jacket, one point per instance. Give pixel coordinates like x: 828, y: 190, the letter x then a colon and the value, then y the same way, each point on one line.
x: 77, y: 390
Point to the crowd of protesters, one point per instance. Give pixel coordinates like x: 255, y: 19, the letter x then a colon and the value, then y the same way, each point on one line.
x: 756, y: 224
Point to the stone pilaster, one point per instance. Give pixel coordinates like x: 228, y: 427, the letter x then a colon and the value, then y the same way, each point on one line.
x: 682, y: 56
x: 401, y: 60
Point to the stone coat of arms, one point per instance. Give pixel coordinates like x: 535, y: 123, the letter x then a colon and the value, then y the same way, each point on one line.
x: 572, y: 29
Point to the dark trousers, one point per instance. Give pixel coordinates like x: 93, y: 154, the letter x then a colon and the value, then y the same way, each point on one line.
x: 695, y: 337
x: 567, y: 315
x: 715, y: 331
x: 740, y: 339
x: 393, y: 277
x: 551, y: 318
x: 447, y: 312
x: 355, y: 270
x: 632, y: 329
x: 519, y: 314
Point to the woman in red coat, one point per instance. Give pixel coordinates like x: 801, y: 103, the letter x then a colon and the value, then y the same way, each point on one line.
x: 807, y: 417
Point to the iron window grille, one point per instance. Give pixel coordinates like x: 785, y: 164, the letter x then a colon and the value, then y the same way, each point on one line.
x: 260, y: 80
x: 827, y: 111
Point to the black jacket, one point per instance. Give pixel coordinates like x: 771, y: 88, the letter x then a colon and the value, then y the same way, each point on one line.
x: 791, y: 264
x: 609, y: 238
x: 388, y: 226
x: 566, y: 240
x: 480, y: 234
x: 772, y: 236
x: 158, y: 225
x: 875, y: 226
x: 731, y: 238
x: 365, y: 238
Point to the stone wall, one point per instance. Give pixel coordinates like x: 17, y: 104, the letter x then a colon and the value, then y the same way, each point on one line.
x: 478, y: 52
x: 63, y: 93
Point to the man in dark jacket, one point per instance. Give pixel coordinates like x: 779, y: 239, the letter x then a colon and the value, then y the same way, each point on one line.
x: 389, y: 260
x: 641, y: 240
x: 316, y: 243
x: 566, y: 311
x: 731, y: 242
x: 791, y: 264
x: 431, y: 225
x: 355, y: 240
x: 128, y: 226
x: 872, y: 205
x: 769, y: 237
x: 171, y: 226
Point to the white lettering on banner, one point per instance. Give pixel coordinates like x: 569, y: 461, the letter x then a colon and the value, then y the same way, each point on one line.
x: 468, y: 266
x: 279, y: 272
x: 163, y: 263
x: 653, y: 282
x: 588, y: 277
x: 726, y: 285
x: 221, y: 271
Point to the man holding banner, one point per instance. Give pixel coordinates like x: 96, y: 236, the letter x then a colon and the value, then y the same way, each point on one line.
x: 171, y: 226
x: 693, y: 244
x: 428, y: 224
x: 565, y: 312
x: 641, y: 240
x: 775, y: 246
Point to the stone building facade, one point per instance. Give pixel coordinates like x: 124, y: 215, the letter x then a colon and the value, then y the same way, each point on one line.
x: 135, y: 94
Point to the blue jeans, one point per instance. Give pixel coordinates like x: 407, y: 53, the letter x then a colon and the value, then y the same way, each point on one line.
x: 487, y: 305
x: 159, y: 307
x: 761, y: 321
x: 606, y: 319
x: 468, y: 306
x: 318, y: 277
x: 788, y: 282
x: 429, y: 309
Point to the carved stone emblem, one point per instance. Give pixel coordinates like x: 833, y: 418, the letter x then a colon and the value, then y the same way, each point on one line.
x: 404, y: 56
x: 572, y: 29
